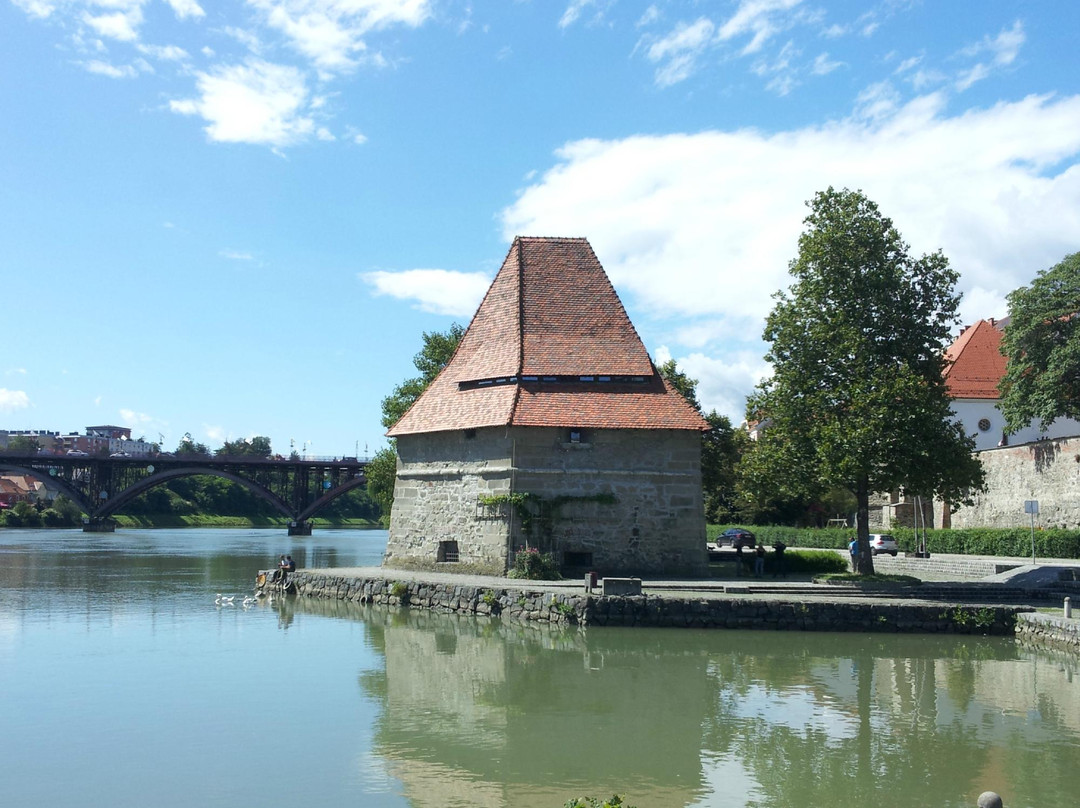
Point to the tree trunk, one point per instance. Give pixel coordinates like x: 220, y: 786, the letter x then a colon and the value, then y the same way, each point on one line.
x: 862, y: 527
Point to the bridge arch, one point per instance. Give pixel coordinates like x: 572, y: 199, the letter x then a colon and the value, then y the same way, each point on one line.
x: 65, y: 488
x: 329, y: 497
x: 162, y: 477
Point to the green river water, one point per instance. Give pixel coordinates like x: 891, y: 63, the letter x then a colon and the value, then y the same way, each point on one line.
x: 123, y: 684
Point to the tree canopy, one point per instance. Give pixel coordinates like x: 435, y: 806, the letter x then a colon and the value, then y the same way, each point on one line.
x: 258, y: 446
x: 438, y: 348
x: 1042, y: 343
x: 857, y: 398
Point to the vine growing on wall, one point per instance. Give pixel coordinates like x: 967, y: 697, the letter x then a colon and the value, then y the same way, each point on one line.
x: 536, y: 511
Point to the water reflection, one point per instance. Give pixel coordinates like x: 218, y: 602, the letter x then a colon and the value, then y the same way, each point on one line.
x: 478, y: 712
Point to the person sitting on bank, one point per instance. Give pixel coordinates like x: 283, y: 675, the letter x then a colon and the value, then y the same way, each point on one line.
x: 279, y: 573
x: 290, y: 565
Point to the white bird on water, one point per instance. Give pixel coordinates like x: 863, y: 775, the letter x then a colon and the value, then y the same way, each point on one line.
x: 224, y: 600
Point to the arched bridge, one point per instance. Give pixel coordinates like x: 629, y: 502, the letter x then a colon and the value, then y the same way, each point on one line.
x: 100, y: 486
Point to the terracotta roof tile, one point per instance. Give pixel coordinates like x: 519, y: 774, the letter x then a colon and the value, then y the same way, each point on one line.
x: 976, y: 362
x: 550, y: 312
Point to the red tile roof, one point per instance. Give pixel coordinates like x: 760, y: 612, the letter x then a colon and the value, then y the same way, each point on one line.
x: 550, y: 317
x: 976, y: 362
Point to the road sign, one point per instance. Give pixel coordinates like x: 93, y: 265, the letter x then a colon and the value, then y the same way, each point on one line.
x: 1031, y: 506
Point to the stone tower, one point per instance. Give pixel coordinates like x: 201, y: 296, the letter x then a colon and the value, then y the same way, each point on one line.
x: 549, y: 429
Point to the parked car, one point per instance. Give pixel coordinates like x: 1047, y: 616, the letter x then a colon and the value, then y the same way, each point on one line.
x: 76, y: 453
x: 737, y: 537
x: 883, y: 543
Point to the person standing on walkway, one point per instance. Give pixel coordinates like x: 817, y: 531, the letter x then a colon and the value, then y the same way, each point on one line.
x: 853, y: 549
x: 778, y: 549
x: 759, y: 561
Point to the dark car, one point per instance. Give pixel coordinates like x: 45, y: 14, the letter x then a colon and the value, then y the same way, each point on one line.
x: 737, y: 537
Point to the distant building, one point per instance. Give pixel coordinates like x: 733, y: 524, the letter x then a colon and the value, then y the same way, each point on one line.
x: 976, y: 367
x: 550, y: 429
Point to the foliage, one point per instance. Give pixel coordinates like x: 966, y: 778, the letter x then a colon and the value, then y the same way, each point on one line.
x: 1006, y: 542
x: 399, y: 590
x: 806, y: 562
x: 258, y: 446
x: 615, y: 801
x: 535, y: 566
x: 23, y: 444
x: 381, y: 473
x: 188, y: 446
x: 21, y: 514
x: 439, y: 347
x: 857, y: 397
x: 62, y: 513
x: 1042, y: 343
x: 683, y: 384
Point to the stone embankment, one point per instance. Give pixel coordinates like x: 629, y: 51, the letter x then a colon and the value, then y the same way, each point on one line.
x: 577, y: 607
x: 1047, y: 631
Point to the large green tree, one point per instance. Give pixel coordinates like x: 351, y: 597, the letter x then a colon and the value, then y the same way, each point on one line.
x: 438, y: 348
x: 857, y: 398
x: 1042, y: 343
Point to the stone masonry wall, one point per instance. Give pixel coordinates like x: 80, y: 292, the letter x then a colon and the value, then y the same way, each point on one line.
x: 623, y: 500
x: 529, y: 604
x: 1047, y: 471
x: 656, y: 522
x: 1048, y: 631
x: 440, y: 477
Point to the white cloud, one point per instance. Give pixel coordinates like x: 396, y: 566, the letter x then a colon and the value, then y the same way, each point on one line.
x: 701, y: 227
x: 11, y: 400
x: 436, y: 290
x: 112, y: 71
x: 1002, y: 49
x: 236, y: 255
x: 723, y: 384
x: 133, y: 419
x: 256, y: 102
x: 573, y: 12
x: 823, y: 65
x: 166, y: 53
x: 759, y: 18
x: 36, y: 8
x: 331, y: 33
x: 678, y: 52
x: 186, y: 9
x: 16, y: 371
x: 121, y: 23
x: 215, y: 433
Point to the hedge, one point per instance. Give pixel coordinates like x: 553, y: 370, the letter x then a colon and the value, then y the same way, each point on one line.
x: 1014, y: 542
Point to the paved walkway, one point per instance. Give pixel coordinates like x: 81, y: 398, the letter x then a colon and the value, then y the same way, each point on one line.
x: 800, y: 586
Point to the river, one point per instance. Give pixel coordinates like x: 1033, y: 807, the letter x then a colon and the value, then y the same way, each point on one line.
x: 122, y: 683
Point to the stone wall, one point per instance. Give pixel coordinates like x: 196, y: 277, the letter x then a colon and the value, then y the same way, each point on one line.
x: 1047, y: 471
x: 440, y: 478
x: 1047, y: 631
x: 616, y: 501
x: 530, y: 604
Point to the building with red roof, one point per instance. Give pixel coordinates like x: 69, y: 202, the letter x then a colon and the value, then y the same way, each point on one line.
x: 976, y: 367
x: 549, y: 429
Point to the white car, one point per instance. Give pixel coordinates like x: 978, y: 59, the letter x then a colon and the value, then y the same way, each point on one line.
x: 883, y: 543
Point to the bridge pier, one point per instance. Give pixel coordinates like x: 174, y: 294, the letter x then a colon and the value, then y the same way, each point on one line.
x: 97, y: 524
x: 300, y: 528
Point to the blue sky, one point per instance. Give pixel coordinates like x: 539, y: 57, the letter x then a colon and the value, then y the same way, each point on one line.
x: 237, y: 219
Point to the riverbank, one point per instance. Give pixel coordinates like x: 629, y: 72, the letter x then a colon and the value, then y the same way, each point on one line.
x: 694, y: 604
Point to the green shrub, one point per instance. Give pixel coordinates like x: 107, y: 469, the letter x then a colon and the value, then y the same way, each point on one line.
x: 807, y: 562
x: 1050, y: 543
x: 592, y: 802
x: 535, y: 566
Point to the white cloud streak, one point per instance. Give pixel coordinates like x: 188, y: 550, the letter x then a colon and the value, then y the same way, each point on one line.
x: 11, y: 400
x: 439, y: 291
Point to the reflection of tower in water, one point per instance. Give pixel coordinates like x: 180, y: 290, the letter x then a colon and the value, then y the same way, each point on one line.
x: 482, y: 713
